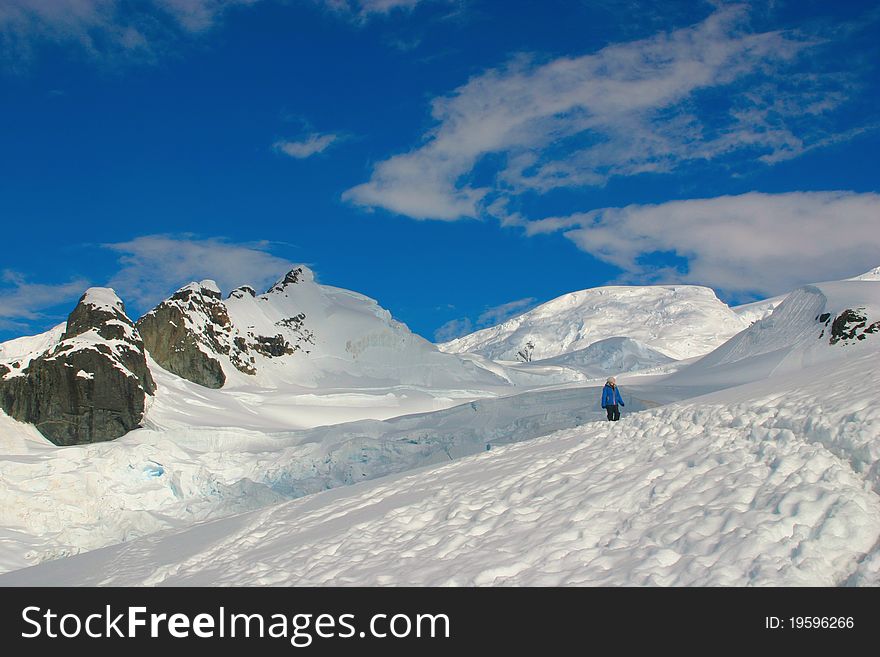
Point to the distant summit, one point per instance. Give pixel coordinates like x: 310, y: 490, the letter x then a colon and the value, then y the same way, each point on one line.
x: 678, y: 321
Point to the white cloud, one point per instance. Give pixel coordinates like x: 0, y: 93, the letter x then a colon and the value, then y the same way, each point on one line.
x: 752, y: 243
x: 456, y: 328
x: 105, y: 26
x: 22, y: 302
x: 154, y: 266
x: 111, y: 27
x: 505, y: 311
x: 367, y: 8
x: 312, y: 145
x: 384, y: 6
x: 626, y: 109
x: 198, y: 15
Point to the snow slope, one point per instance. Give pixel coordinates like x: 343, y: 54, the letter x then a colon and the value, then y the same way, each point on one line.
x: 756, y: 310
x: 679, y: 321
x: 771, y: 482
x: 23, y: 350
x: 752, y: 312
x: 353, y: 343
x: 735, y: 488
x: 208, y: 457
x: 872, y: 275
x: 797, y: 334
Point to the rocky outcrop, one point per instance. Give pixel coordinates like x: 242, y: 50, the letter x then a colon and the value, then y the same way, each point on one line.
x: 92, y: 385
x: 851, y: 324
x: 185, y: 332
x: 191, y: 334
x: 292, y: 277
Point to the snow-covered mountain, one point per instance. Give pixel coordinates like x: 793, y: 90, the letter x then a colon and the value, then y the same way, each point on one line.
x: 758, y: 463
x: 771, y: 482
x: 298, y: 332
x: 679, y: 321
x: 297, y: 336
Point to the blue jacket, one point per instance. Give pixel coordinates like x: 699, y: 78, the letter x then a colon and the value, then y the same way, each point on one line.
x: 611, y: 396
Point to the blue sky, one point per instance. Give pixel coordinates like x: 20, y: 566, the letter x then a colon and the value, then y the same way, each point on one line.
x: 459, y: 161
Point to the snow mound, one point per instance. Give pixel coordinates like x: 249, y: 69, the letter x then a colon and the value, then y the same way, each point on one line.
x: 679, y: 321
x: 611, y: 356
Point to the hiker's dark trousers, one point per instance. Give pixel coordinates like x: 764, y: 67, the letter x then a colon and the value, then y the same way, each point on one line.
x: 613, y: 412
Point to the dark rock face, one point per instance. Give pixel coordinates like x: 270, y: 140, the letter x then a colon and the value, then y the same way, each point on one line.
x: 176, y: 331
x: 302, y: 335
x: 273, y: 347
x: 92, y: 385
x: 188, y: 333
x: 292, y: 277
x: 851, y: 324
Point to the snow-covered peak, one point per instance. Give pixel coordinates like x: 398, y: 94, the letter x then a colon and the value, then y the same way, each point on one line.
x: 241, y: 291
x: 299, y: 274
x: 102, y: 297
x: 873, y: 275
x: 100, y: 316
x: 340, y: 338
x: 209, y: 285
x: 85, y: 384
x: 206, y: 287
x: 679, y: 321
x: 298, y: 332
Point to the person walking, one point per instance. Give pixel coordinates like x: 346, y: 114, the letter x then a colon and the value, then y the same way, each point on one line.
x: 611, y: 399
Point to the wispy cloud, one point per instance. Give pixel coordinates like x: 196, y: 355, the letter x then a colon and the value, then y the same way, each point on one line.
x: 752, y: 243
x: 456, y: 328
x: 23, y: 302
x: 364, y: 9
x: 500, y: 314
x: 312, y: 145
x: 628, y: 109
x: 142, y: 28
x: 153, y: 266
x: 103, y: 27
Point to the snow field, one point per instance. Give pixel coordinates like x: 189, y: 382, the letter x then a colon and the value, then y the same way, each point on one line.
x: 695, y: 493
x: 764, y: 469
